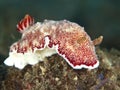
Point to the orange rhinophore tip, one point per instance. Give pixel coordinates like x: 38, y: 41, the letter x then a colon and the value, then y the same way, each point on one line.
x: 26, y: 22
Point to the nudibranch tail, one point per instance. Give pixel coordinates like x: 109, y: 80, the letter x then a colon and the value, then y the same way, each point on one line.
x: 25, y: 23
x: 41, y: 40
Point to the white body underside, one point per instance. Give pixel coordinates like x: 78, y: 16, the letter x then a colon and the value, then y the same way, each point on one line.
x: 20, y: 60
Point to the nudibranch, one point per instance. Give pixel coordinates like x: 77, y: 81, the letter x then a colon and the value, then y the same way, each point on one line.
x: 42, y: 39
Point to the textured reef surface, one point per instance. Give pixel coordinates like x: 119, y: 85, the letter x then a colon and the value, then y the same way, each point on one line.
x: 54, y: 74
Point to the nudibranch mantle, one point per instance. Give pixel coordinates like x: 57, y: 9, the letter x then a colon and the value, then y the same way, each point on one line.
x: 40, y: 40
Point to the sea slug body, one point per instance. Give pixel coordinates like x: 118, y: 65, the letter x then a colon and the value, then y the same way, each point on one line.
x: 40, y: 40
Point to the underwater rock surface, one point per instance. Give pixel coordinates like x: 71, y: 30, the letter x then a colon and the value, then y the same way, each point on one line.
x: 54, y: 74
